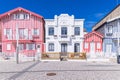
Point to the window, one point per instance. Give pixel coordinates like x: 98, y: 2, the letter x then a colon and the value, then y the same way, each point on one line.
x: 98, y: 45
x: 8, y: 46
x: 21, y: 16
x: 76, y: 47
x: 21, y: 33
x: 51, y: 31
x: 21, y: 46
x: 30, y: 46
x: 86, y: 45
x: 36, y: 32
x: 64, y: 31
x: 77, y: 30
x: 8, y: 31
x: 109, y: 29
x: 51, y: 47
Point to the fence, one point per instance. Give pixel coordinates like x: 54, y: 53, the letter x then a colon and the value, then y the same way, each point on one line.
x: 56, y: 55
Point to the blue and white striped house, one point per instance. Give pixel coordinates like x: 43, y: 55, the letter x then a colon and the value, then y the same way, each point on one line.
x: 109, y: 26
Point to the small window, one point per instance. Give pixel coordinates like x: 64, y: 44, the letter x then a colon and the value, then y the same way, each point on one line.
x: 21, y: 16
x: 36, y: 32
x: 109, y: 28
x: 77, y: 30
x: 8, y: 46
x: 51, y: 47
x: 51, y: 31
x: 86, y: 46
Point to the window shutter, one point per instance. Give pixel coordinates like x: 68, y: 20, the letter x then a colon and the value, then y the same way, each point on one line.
x: 32, y: 31
x: 10, y: 33
x: 4, y: 31
x: 38, y: 32
x: 26, y: 33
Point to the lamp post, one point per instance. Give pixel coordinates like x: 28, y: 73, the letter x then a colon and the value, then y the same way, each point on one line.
x: 17, y: 48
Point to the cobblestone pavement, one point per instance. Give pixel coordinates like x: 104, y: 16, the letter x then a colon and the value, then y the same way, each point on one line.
x: 65, y: 70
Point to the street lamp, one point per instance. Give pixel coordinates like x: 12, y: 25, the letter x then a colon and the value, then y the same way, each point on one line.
x: 17, y: 47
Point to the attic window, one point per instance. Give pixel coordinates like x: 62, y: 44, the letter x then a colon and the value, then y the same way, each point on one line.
x: 21, y: 16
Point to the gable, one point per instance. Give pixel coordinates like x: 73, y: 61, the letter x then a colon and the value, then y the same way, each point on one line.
x: 114, y: 14
x: 93, y: 34
x: 20, y: 10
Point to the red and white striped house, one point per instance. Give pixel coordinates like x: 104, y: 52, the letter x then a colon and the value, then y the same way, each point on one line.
x: 93, y: 42
x: 30, y: 29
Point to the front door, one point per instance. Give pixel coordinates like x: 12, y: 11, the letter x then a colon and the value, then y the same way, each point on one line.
x: 108, y: 48
x: 63, y: 54
x: 92, y: 47
x: 64, y: 47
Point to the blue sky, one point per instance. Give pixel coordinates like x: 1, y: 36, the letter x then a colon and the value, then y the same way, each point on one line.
x: 90, y: 10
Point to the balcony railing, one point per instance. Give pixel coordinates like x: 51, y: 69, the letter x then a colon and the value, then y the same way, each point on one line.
x: 64, y: 36
x: 109, y: 34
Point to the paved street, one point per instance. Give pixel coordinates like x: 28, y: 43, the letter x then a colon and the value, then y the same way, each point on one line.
x: 66, y: 70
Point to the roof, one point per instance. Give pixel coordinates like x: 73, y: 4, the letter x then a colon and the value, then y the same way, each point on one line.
x: 110, y: 16
x: 19, y: 9
x: 94, y: 32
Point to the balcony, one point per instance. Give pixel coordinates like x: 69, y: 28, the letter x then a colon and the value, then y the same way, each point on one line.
x: 64, y: 38
x: 109, y: 34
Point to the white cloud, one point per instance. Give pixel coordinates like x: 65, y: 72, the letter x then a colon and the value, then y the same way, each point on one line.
x: 99, y: 15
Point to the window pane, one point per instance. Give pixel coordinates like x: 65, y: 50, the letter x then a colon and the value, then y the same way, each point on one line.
x: 77, y: 30
x: 64, y: 31
x: 51, y: 31
x: 51, y: 47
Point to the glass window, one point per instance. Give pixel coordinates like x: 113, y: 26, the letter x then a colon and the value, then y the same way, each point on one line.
x: 7, y: 31
x: 36, y: 32
x: 51, y: 47
x: 109, y: 29
x: 51, y: 31
x: 77, y: 30
x: 64, y: 31
x: 21, y: 16
x: 8, y: 46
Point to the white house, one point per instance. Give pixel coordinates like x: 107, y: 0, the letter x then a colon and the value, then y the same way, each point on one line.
x: 64, y: 33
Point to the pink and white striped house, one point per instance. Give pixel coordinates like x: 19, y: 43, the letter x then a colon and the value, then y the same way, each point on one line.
x: 30, y: 29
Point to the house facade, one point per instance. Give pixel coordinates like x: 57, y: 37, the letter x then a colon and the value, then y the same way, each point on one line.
x: 93, y: 42
x: 25, y: 26
x: 64, y: 33
x: 109, y: 26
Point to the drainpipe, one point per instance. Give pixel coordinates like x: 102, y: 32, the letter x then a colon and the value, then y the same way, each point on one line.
x: 17, y: 48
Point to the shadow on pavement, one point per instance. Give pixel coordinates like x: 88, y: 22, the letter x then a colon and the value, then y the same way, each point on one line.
x: 22, y: 72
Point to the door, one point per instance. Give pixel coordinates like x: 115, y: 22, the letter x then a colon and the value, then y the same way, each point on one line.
x: 108, y: 48
x: 92, y: 47
x: 64, y: 47
x: 76, y: 47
